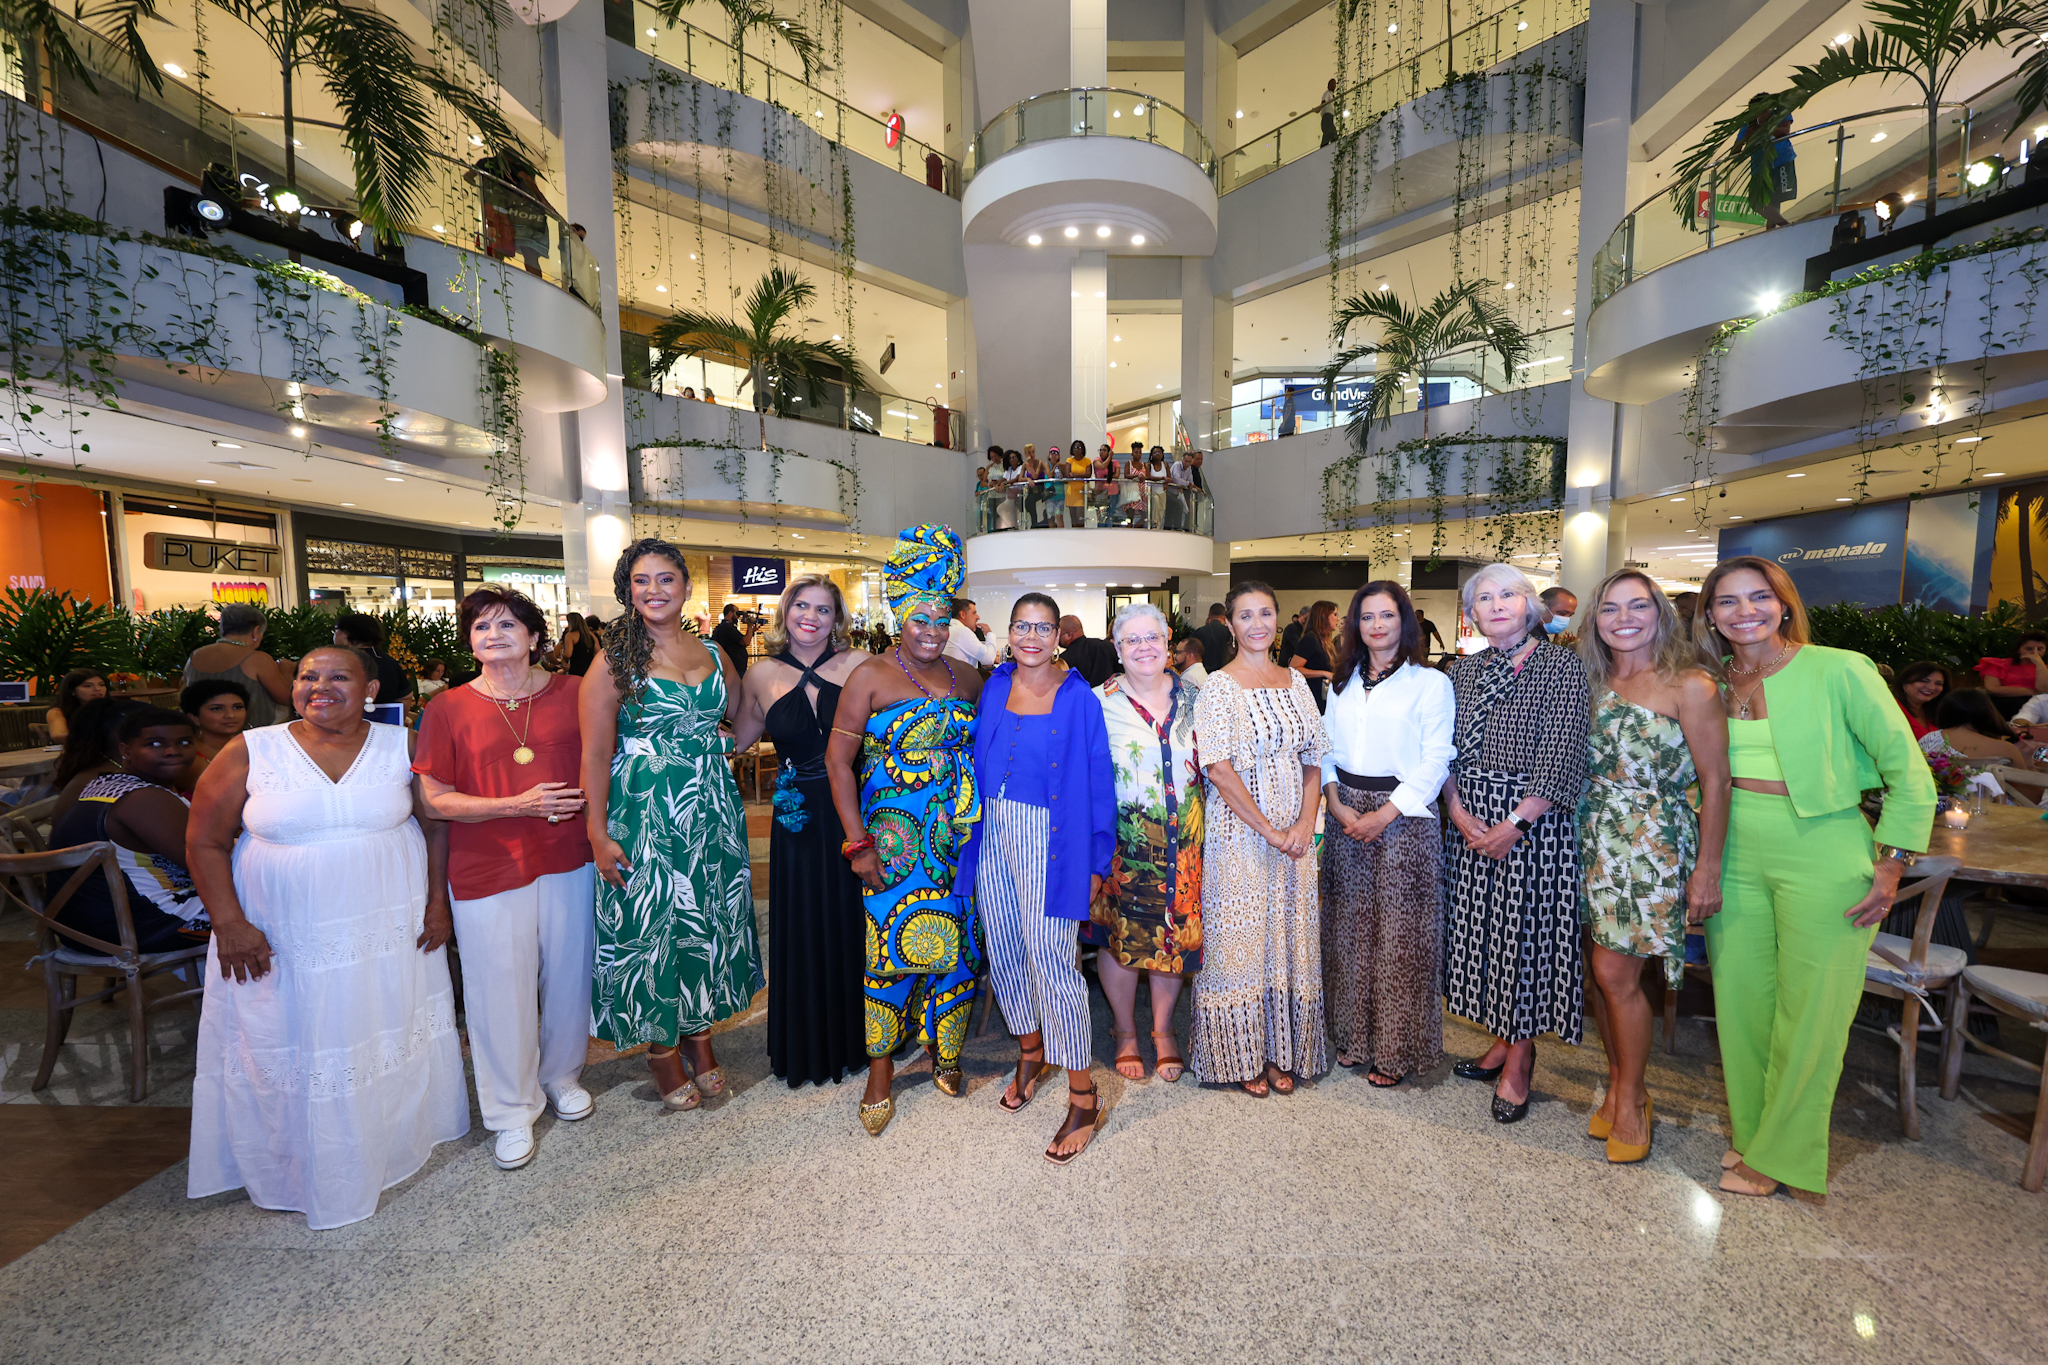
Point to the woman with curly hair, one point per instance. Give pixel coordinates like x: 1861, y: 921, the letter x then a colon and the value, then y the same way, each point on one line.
x: 676, y: 944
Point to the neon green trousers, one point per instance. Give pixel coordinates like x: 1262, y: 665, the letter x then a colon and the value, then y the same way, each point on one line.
x: 1788, y: 973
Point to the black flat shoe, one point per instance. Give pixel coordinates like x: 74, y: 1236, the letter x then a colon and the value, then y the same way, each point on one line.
x: 1503, y: 1112
x: 1470, y: 1070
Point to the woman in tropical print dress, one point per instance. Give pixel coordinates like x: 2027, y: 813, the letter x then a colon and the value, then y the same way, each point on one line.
x: 677, y: 949
x: 1149, y: 916
x: 1651, y: 864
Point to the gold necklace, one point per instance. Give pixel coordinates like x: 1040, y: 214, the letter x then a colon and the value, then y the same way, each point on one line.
x: 1742, y: 702
x: 1766, y: 667
x: 523, y: 754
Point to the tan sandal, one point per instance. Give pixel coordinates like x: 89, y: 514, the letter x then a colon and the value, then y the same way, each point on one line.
x: 1750, y: 1184
x: 1129, y: 1064
x: 1169, y: 1061
x: 672, y: 1080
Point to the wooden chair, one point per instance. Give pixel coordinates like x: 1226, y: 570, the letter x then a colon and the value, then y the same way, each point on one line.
x: 23, y: 829
x: 1912, y: 970
x: 2022, y: 788
x: 63, y: 963
x: 2021, y: 995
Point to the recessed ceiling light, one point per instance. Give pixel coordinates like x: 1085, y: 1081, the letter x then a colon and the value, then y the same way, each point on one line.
x: 1137, y: 239
x: 1965, y: 440
x: 1841, y: 38
x: 393, y: 478
x: 1509, y: 285
x: 1159, y: 386
x: 1519, y: 27
x: 1841, y: 499
x: 1679, y: 498
x: 206, y: 481
x: 1996, y: 474
x: 1034, y: 239
x: 1567, y: 312
x: 348, y: 504
x: 661, y: 289
x: 1112, y: 364
x: 1795, y: 476
x: 1736, y: 517
x: 1073, y: 232
x: 1118, y: 337
x: 228, y: 445
x: 1102, y: 231
x: 299, y: 432
x: 173, y: 69
x: 439, y: 228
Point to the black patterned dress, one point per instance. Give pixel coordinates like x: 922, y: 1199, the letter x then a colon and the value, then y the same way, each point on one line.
x: 1511, y: 949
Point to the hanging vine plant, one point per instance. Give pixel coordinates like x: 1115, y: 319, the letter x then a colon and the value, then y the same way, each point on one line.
x: 1514, y: 484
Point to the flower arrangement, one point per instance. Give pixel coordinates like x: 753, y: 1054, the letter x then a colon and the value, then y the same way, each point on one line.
x: 1950, y: 777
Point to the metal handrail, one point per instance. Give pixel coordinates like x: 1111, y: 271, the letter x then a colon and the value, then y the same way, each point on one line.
x: 1152, y: 104
x: 1160, y: 505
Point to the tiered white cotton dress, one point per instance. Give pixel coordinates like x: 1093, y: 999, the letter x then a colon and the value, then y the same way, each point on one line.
x: 333, y: 1076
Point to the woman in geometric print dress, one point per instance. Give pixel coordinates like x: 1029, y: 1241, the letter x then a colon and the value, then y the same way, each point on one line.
x: 1148, y: 919
x: 1651, y: 864
x: 677, y: 949
x: 1511, y: 946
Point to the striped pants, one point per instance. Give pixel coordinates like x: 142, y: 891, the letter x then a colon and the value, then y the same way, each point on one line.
x: 1032, y: 959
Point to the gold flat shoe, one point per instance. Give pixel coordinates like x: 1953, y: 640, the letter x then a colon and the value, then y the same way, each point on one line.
x: 875, y: 1117
x: 949, y: 1079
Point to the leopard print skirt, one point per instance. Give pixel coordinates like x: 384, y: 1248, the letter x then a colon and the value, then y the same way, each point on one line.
x: 1383, y: 936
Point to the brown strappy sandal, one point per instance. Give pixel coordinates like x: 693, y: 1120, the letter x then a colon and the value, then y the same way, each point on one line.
x: 1024, y: 1085
x: 1282, y: 1083
x: 1127, y: 1055
x: 1172, y: 1061
x: 1077, y: 1120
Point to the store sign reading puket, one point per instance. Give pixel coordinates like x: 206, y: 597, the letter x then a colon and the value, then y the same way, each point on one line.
x: 191, y: 554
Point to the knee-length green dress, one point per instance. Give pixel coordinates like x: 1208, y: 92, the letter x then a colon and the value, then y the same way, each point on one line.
x: 1639, y: 835
x: 677, y: 949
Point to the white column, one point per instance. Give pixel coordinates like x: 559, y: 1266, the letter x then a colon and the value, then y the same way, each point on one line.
x: 1206, y: 337
x: 1088, y: 58
x: 600, y: 431
x: 1603, y: 199
x: 960, y: 374
x: 1089, y: 394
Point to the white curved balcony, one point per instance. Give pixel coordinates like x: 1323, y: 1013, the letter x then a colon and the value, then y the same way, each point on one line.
x: 1048, y: 558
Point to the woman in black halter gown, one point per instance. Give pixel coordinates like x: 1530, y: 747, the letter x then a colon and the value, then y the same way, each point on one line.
x: 816, y: 928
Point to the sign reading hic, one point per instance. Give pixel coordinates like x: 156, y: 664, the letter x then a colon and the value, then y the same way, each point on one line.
x: 1854, y: 555
x: 766, y: 577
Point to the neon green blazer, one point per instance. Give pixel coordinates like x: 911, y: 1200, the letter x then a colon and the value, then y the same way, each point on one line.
x: 1839, y: 733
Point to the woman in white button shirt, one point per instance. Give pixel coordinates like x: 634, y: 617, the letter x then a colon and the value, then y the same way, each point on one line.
x: 1390, y: 723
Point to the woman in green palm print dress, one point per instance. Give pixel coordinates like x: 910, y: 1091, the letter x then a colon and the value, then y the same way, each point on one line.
x: 1650, y: 863
x: 677, y: 949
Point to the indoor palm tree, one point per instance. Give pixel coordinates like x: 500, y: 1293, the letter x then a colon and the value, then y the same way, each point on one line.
x: 752, y: 16
x: 1924, y: 42
x: 385, y: 90
x: 776, y: 361
x: 1413, y: 339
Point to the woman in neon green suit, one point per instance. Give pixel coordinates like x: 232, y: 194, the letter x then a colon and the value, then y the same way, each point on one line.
x: 1804, y: 884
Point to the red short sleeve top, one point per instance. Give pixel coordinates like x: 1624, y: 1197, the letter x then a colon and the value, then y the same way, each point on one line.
x: 2007, y: 671
x: 467, y: 742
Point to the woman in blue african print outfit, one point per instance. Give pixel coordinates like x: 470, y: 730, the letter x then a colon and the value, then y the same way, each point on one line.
x: 677, y: 950
x: 900, y: 763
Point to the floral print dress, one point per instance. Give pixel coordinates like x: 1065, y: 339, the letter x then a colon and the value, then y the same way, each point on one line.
x: 1149, y: 914
x: 1638, y: 833
x: 677, y: 949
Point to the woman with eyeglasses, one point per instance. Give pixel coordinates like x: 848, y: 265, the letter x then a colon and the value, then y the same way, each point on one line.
x: 1148, y: 919
x: 1038, y: 855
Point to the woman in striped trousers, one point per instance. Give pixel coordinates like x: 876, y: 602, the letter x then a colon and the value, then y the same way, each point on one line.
x: 1038, y: 855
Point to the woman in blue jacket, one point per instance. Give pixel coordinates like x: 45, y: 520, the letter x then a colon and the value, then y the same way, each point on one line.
x: 1038, y: 856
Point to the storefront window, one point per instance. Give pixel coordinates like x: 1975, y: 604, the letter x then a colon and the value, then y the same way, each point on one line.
x: 180, y: 556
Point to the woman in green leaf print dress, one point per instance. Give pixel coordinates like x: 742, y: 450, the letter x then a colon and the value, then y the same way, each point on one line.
x: 676, y: 945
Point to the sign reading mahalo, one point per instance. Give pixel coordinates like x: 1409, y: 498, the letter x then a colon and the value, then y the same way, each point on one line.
x: 191, y: 554
x: 767, y: 577
x: 1854, y: 555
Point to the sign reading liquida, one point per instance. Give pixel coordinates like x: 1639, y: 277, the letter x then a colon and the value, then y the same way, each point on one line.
x: 768, y: 577
x: 191, y: 554
x: 1854, y: 555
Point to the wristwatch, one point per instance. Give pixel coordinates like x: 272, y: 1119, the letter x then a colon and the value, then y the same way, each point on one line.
x: 1903, y: 857
x: 1521, y: 824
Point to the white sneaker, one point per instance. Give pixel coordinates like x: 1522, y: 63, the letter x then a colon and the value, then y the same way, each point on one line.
x: 515, y: 1148
x: 571, y: 1101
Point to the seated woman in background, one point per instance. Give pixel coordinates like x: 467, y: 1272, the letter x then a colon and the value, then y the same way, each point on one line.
x: 433, y: 678
x: 1973, y: 732
x: 2012, y: 681
x: 219, y: 710
x: 135, y: 808
x: 80, y: 686
x: 1920, y: 688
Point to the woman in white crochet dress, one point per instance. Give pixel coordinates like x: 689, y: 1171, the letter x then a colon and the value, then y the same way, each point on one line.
x: 328, y: 1061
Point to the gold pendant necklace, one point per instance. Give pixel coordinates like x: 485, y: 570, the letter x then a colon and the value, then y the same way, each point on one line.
x: 1742, y: 702
x: 521, y: 755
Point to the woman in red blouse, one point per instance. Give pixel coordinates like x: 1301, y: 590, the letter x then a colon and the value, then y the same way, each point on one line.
x: 2011, y: 681
x: 498, y: 760
x: 1920, y: 688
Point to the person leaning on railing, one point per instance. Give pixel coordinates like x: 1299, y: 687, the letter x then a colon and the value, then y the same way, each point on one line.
x: 1079, y: 468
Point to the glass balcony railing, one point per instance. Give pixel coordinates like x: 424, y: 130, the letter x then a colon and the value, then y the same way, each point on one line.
x: 189, y: 135
x: 711, y: 59
x: 1489, y: 42
x: 1839, y: 165
x: 1473, y: 372
x: 1123, y: 504
x: 1100, y: 111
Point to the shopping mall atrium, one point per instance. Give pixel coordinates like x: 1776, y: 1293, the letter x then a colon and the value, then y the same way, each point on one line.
x: 358, y: 304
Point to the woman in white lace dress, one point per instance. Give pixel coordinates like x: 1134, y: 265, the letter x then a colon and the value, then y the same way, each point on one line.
x: 328, y: 1061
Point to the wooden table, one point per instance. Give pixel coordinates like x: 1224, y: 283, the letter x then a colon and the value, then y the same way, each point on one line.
x: 28, y: 763
x: 2004, y: 846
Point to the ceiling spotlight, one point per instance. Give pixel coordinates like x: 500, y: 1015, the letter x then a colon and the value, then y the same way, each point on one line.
x: 1519, y: 27
x: 1034, y: 239
x: 1841, y: 499
x: 1240, y: 113
x: 288, y: 201
x: 1159, y: 386
x: 227, y: 445
x: 393, y: 478
x: 439, y: 228
x: 1137, y: 239
x: 355, y: 230
x: 300, y: 432
x: 661, y: 289
x: 475, y: 141
x: 1509, y: 285
x: 1393, y: 28
x: 1795, y: 476
x: 1736, y: 517
x: 1567, y: 312
x: 173, y: 69
x: 1102, y: 232
x: 652, y: 34
x: 1073, y: 232
x: 1118, y: 337
x: 1841, y: 39
x: 348, y: 504
x: 1965, y: 440
x: 1995, y: 474
x: 1112, y: 364
x: 1766, y: 302
x: 206, y: 480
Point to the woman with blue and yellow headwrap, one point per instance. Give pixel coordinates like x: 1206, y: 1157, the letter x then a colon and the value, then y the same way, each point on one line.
x: 901, y: 765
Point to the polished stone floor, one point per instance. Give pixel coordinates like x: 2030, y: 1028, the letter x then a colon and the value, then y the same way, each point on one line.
x: 1343, y: 1223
